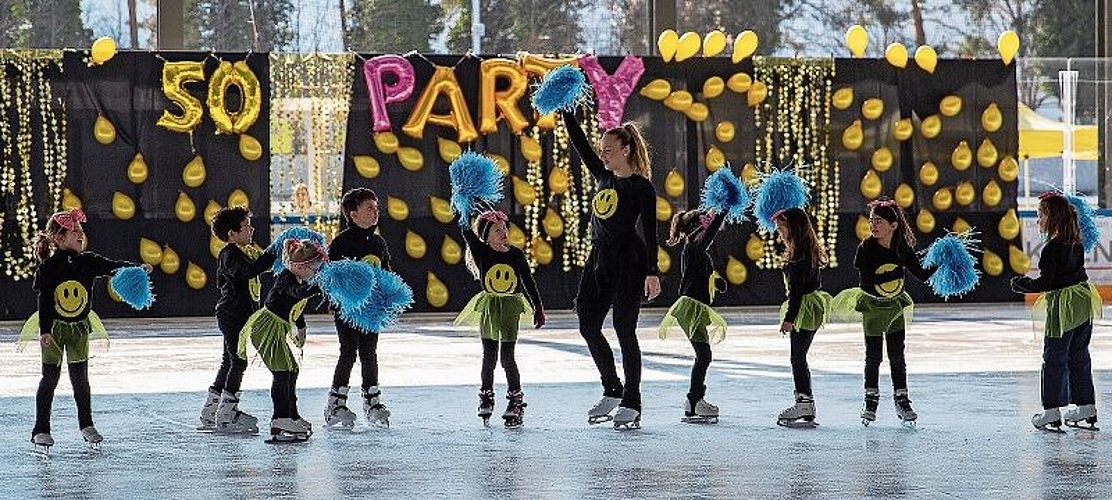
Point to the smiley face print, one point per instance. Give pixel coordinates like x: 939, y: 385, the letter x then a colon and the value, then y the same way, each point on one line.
x: 500, y: 278
x: 605, y: 203
x: 892, y: 288
x: 372, y: 259
x: 71, y: 299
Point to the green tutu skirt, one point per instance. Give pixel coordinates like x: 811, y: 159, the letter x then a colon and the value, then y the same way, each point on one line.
x: 1059, y: 311
x: 813, y: 311
x: 497, y: 316
x: 877, y: 315
x: 71, y: 338
x: 271, y: 337
x: 698, y: 321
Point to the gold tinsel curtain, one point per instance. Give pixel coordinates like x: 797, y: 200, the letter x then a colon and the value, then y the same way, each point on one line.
x: 794, y: 124
x: 33, y: 138
x: 310, y: 96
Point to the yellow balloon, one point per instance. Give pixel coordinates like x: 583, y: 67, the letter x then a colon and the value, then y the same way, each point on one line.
x: 905, y: 196
x: 1009, y: 169
x: 414, y: 245
x: 896, y: 54
x: 1008, y: 45
x: 679, y: 100
x: 942, y: 199
x: 524, y: 192
x: 367, y: 166
x: 531, y: 149
x: 194, y: 173
x: 238, y: 198
x: 926, y: 58
x: 992, y: 263
x: 745, y: 45
x: 411, y: 158
x: 872, y: 108
x: 195, y: 277
x: 663, y: 210
x: 210, y: 211
x: 871, y: 186
x: 950, y: 105
x: 857, y: 39
x: 516, y: 236
x: 962, y: 156
x: 657, y: 89
x: 749, y: 174
x: 170, y: 261
x: 435, y: 292
x: 174, y: 77
x: 1009, y: 225
x: 960, y: 226
x: 882, y: 159
x: 715, y: 159
x: 992, y: 194
x: 123, y: 207
x: 441, y: 209
x: 674, y: 184
x: 250, y: 148
x: 450, y: 251
x: 853, y: 136
x: 558, y: 180
x: 449, y: 150
x: 184, y: 208
x: 757, y: 93
x: 754, y: 248
x: 1018, y: 260
x: 842, y: 98
x: 103, y: 130
x: 137, y: 170
x: 924, y: 221
x: 928, y: 174
x: 386, y: 142
x: 663, y: 260
x: 931, y: 126
x: 501, y: 162
x: 542, y: 251
x: 713, y: 87
x: 735, y: 271
x: 902, y: 130
x: 667, y: 43
x: 149, y: 252
x: 698, y: 112
x: 70, y: 201
x: 714, y: 43
x: 104, y: 48
x: 112, y: 292
x: 215, y: 246
x: 986, y: 154
x: 861, y: 228
x: 688, y: 46
x: 397, y: 208
x: 239, y: 75
x: 553, y: 224
x: 739, y: 82
x: 724, y: 131
x: 991, y: 118
x: 965, y: 193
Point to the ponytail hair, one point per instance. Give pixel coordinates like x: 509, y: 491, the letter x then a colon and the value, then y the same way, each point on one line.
x: 629, y: 134
x: 43, y: 243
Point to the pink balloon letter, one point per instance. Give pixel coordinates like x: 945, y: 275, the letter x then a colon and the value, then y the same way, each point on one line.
x: 612, y: 90
x: 381, y: 93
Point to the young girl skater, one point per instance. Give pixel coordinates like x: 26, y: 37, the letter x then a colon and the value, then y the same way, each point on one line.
x: 1070, y: 303
x: 805, y: 311
x: 237, y: 277
x: 692, y: 311
x: 65, y: 321
x: 622, y: 266
x: 497, y: 309
x: 269, y: 328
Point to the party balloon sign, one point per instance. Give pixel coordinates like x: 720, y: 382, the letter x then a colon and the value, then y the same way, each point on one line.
x: 380, y: 93
x: 611, y: 91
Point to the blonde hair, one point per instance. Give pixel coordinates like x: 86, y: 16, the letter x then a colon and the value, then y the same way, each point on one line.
x: 629, y: 134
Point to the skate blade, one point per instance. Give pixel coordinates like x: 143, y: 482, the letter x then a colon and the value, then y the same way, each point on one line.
x: 627, y: 426
x: 910, y: 424
x: 204, y: 429
x: 486, y: 422
x: 699, y: 420
x: 234, y: 431
x: 866, y: 421
x: 600, y: 419
x: 798, y: 424
x: 514, y: 425
x: 286, y: 439
x: 94, y: 446
x: 1083, y: 425
x: 343, y: 426
x: 40, y: 450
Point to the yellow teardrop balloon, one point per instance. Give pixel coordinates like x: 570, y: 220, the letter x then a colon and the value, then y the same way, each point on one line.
x: 524, y: 193
x: 991, y: 118
x: 184, y: 208
x: 103, y: 130
x: 663, y: 210
x: 992, y: 263
x: 215, y: 246
x: 441, y: 209
x: 123, y: 207
x: 663, y: 260
x: 749, y: 174
x: 926, y: 58
x: 724, y: 131
x: 960, y: 226
x: 986, y: 154
x: 674, y: 184
x: 679, y: 100
x: 194, y: 173
x: 1009, y: 169
x: 715, y: 159
x: 516, y: 236
x: 397, y: 208
x: 853, y: 136
x: 70, y: 201
x: 449, y: 150
x: 872, y: 108
x: 657, y: 89
x: 744, y: 45
x: 713, y: 87
x: 754, y: 248
x: 558, y: 180
x: 698, y: 112
x: 553, y: 224
x: 962, y: 157
x: 871, y: 186
x: 150, y: 252
x: 735, y: 271
x: 882, y: 159
x: 992, y: 194
x: 1018, y: 260
x: 928, y: 174
x: 386, y: 142
x: 1009, y: 225
x: 238, y: 198
x: 931, y: 126
x: 924, y: 221
x: 501, y: 162
x: 739, y: 82
x: 411, y: 158
x: 542, y: 251
x: 896, y: 54
x: 757, y: 93
x: 857, y: 39
x: 942, y: 199
x: 367, y: 166
x: 714, y: 43
x: 903, y: 129
x: 195, y: 277
x: 965, y: 194
x: 950, y: 105
x: 210, y: 211
x: 414, y: 245
x: 450, y: 251
x: 861, y: 228
x: 137, y: 170
x: 250, y: 148
x: 531, y: 149
x: 842, y: 98
x: 435, y: 292
x: 666, y: 43
x: 905, y: 195
x: 170, y: 261
x: 687, y: 46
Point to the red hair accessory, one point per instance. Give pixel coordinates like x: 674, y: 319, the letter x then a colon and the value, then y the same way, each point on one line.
x: 705, y: 220
x: 494, y: 216
x: 70, y: 219
x: 882, y: 203
x: 778, y: 214
x: 1049, y: 194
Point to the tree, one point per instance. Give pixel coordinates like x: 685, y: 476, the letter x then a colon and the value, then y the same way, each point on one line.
x: 542, y: 26
x: 761, y: 16
x: 233, y: 24
x: 14, y: 23
x: 57, y: 24
x: 391, y: 25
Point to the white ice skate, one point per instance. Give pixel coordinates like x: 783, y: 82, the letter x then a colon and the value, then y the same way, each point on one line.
x: 600, y: 412
x: 91, y: 436
x: 42, y: 442
x: 286, y: 430
x: 868, y: 410
x: 1049, y: 420
x: 230, y: 420
x: 375, y: 411
x: 903, y: 408
x: 208, y: 412
x: 801, y: 414
x: 1082, y: 417
x: 627, y: 419
x: 486, y: 406
x: 336, y: 413
x: 702, y: 413
x: 305, y: 424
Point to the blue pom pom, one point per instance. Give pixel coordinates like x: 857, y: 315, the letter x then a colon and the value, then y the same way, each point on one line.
x: 957, y: 272
x: 347, y: 283
x: 390, y: 297
x: 779, y: 190
x: 723, y: 192
x: 1086, y: 222
x: 133, y: 285
x: 562, y: 89
x: 293, y: 233
x: 474, y: 178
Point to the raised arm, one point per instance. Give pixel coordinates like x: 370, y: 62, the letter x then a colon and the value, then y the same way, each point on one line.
x: 583, y: 146
x: 707, y: 236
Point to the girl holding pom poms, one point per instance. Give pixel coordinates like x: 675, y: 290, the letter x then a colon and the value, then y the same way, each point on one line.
x: 65, y: 321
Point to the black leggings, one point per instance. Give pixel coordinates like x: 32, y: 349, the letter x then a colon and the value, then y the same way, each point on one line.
x: 874, y: 351
x: 283, y: 393
x: 699, y: 371
x: 491, y: 350
x: 355, y: 343
x: 44, y: 399
x: 230, y: 375
x: 801, y: 372
x: 619, y: 284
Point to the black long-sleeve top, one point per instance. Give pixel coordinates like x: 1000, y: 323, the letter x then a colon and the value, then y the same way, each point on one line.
x: 360, y: 244
x: 618, y: 201
x: 696, y: 266
x: 881, y: 270
x: 234, y: 272
x: 290, y: 294
x: 802, y: 278
x: 1060, y: 265
x: 64, y: 282
x: 503, y: 272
